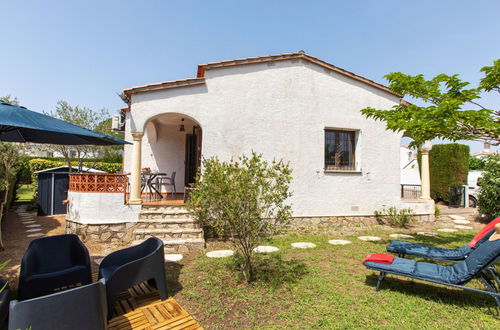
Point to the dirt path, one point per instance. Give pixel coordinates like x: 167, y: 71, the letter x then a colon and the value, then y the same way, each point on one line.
x: 16, y: 240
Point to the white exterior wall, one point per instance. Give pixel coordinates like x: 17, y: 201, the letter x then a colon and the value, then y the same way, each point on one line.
x: 100, y: 208
x: 281, y: 110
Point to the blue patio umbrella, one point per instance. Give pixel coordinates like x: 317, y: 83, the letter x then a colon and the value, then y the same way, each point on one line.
x: 18, y: 124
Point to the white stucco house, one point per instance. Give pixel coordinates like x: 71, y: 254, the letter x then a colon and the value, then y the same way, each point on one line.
x: 293, y: 107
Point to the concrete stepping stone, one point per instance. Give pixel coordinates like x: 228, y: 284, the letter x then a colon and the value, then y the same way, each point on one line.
x: 35, y: 235
x: 98, y: 261
x: 34, y: 226
x: 339, y: 242
x: 173, y: 257
x: 427, y: 233
x: 303, y: 245
x: 265, y: 249
x: 369, y: 238
x: 33, y: 230
x: 447, y: 230
x: 456, y: 217
x: 461, y: 222
x: 463, y: 227
x: 220, y: 254
x: 401, y: 236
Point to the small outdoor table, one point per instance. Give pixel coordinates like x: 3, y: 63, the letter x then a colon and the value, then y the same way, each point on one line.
x: 149, y: 178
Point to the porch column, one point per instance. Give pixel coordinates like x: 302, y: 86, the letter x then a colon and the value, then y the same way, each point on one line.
x: 135, y: 177
x: 425, y: 175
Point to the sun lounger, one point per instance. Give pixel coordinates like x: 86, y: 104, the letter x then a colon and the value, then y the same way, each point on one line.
x: 436, y: 253
x: 479, y: 264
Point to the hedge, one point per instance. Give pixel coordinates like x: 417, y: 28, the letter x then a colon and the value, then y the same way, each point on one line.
x: 39, y: 164
x: 448, y: 166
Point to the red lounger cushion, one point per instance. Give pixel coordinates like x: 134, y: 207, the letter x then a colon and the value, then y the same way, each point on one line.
x: 483, y: 232
x: 380, y: 258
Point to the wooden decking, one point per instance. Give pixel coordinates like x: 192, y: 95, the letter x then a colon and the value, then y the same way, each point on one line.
x: 141, y: 308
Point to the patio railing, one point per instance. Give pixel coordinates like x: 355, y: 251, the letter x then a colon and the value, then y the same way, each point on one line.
x: 411, y: 191
x: 98, y: 182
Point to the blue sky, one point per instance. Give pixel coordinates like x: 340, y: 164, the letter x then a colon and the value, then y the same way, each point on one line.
x: 87, y: 51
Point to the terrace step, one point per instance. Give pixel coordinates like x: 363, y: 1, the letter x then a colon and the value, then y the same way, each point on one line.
x: 173, y: 224
x: 180, y: 245
x: 168, y: 223
x: 168, y: 233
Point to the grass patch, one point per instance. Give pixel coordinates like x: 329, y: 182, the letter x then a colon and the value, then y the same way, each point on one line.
x: 327, y: 287
x: 24, y: 193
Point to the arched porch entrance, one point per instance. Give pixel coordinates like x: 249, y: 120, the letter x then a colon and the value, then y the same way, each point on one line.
x: 171, y: 146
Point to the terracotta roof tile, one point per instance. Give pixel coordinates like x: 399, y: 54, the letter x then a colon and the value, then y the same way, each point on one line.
x: 253, y: 60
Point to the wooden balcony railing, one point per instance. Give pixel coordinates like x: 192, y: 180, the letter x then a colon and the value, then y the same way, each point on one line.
x: 98, y: 182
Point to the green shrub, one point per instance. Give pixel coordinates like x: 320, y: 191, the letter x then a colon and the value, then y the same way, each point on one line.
x: 437, y: 211
x: 476, y: 163
x: 448, y: 166
x: 489, y: 187
x: 394, y: 217
x: 244, y: 199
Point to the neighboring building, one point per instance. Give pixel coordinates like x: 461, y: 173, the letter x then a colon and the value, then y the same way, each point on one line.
x: 410, y: 174
x: 485, y: 152
x: 293, y: 107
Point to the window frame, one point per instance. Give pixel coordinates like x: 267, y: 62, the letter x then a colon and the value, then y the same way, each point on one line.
x: 353, y: 168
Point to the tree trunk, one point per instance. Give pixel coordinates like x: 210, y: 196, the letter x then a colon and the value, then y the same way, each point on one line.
x: 3, y: 201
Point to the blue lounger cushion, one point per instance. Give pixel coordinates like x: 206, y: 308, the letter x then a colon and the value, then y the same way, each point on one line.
x: 426, y: 251
x: 459, y: 273
x: 432, y: 252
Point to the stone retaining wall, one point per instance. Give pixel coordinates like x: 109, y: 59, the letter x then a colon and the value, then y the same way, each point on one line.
x: 340, y: 224
x: 102, y: 233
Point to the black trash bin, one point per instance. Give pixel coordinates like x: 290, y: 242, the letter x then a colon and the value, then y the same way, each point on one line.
x: 456, y: 196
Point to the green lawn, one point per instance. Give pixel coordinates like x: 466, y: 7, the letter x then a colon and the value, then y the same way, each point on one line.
x: 326, y: 287
x: 24, y: 193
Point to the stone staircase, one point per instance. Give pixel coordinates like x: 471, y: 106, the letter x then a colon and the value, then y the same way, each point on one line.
x: 172, y: 224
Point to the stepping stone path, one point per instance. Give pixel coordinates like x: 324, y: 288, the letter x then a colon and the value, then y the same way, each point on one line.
x: 427, y: 233
x: 220, y: 254
x: 173, y: 257
x: 463, y: 227
x: 33, y: 229
x: 339, y: 242
x: 447, y: 230
x: 461, y: 222
x: 265, y: 249
x: 400, y: 236
x: 303, y: 245
x: 369, y: 238
x: 456, y: 217
x: 98, y: 261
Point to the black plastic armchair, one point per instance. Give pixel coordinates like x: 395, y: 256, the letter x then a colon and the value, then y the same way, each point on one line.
x: 81, y: 308
x: 125, y: 268
x: 53, y: 263
x: 4, y: 301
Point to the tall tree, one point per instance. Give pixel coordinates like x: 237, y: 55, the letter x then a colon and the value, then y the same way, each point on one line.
x: 9, y: 99
x: 10, y: 160
x: 80, y: 116
x: 448, y: 108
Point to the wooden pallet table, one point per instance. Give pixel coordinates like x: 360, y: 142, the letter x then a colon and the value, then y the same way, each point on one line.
x: 141, y: 308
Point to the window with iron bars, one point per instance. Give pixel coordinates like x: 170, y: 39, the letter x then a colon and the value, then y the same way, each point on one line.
x: 340, y: 150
